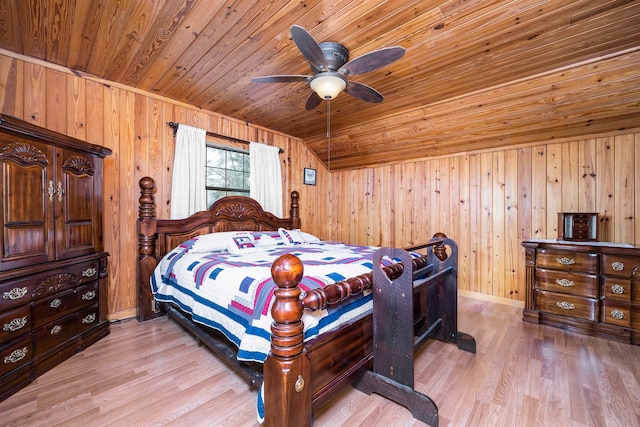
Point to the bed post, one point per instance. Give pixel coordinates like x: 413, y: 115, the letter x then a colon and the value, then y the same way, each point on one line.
x: 287, y: 370
x: 294, y: 210
x: 146, y: 248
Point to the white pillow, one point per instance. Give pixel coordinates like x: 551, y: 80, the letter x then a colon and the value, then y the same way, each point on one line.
x: 291, y: 237
x: 309, y: 238
x: 213, y: 242
x: 241, y: 243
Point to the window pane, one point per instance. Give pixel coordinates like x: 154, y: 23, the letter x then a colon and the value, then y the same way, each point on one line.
x: 215, y: 157
x: 235, y: 179
x: 215, y: 177
x: 227, y: 173
x: 235, y: 161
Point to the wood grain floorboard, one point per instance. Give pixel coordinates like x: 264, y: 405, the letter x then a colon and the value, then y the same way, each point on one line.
x: 155, y: 374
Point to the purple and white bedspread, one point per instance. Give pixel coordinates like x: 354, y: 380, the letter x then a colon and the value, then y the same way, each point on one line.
x: 233, y: 293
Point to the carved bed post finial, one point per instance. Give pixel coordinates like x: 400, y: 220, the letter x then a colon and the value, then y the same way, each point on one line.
x: 294, y: 211
x: 287, y: 370
x: 440, y: 250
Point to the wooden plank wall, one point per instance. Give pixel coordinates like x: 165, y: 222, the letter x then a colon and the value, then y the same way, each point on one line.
x: 490, y: 201
x: 487, y: 201
x: 134, y: 125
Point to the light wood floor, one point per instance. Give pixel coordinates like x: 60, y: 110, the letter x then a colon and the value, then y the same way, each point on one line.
x: 154, y: 374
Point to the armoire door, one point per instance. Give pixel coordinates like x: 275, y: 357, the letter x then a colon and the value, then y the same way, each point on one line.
x: 27, y: 187
x: 78, y: 197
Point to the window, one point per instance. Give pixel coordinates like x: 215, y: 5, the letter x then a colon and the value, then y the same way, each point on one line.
x: 227, y: 173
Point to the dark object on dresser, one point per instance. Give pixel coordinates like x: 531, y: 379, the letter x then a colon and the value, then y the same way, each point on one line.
x: 587, y: 287
x: 53, y: 270
x: 578, y: 226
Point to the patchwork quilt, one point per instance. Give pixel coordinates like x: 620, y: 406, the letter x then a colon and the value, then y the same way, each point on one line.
x: 231, y: 289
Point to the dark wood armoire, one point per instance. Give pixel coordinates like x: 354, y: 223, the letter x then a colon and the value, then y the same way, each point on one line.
x: 53, y: 268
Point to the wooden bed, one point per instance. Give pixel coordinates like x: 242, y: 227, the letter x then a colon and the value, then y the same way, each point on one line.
x: 301, y: 376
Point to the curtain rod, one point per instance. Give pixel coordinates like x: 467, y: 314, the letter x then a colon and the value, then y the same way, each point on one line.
x: 174, y: 125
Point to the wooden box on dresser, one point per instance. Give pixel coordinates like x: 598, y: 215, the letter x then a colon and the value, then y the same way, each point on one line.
x: 53, y: 269
x: 587, y: 287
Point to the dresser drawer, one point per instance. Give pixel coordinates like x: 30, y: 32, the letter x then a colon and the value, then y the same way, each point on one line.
x: 15, y: 354
x: 567, y: 261
x: 53, y: 334
x: 14, y: 323
x: 15, y: 293
x: 619, y: 265
x: 566, y: 305
x: 616, y: 313
x: 87, y: 318
x: 616, y: 289
x: 87, y: 295
x: 585, y: 285
x: 54, y: 307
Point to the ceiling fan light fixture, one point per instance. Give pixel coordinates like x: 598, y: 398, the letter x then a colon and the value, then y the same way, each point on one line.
x: 328, y: 85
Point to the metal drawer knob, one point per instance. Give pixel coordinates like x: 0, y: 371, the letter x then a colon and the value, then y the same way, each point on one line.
x: 566, y: 261
x: 15, y: 293
x: 89, y: 295
x: 565, y: 305
x: 15, y: 324
x: 16, y: 356
x: 55, y: 303
x: 617, y: 266
x: 89, y: 272
x: 617, y: 314
x: 56, y: 330
x: 565, y: 282
x: 89, y: 318
x: 617, y: 289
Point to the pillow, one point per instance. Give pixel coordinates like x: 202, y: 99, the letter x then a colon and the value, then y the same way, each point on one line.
x: 213, y: 242
x: 291, y: 237
x: 241, y: 244
x: 309, y: 238
x: 267, y: 238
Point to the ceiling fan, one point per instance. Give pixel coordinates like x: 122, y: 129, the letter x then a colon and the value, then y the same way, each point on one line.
x: 331, y: 67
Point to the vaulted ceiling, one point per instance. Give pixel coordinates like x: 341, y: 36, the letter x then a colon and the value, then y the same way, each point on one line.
x: 477, y: 74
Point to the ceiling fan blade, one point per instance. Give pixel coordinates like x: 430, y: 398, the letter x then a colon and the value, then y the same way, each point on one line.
x: 313, y: 101
x: 363, y: 92
x: 372, y: 60
x: 309, y: 47
x: 281, y: 79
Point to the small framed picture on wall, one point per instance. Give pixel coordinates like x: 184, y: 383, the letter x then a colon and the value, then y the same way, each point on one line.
x: 309, y: 176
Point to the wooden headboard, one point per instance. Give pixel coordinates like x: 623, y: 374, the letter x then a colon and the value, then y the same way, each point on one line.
x: 156, y: 237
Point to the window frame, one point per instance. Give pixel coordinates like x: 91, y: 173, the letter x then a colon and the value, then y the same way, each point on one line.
x: 226, y: 190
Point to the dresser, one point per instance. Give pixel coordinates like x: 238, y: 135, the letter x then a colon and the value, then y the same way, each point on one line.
x: 53, y: 269
x: 587, y: 287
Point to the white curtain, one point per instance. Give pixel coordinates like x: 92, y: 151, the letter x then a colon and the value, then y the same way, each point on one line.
x: 265, y: 179
x: 188, y: 187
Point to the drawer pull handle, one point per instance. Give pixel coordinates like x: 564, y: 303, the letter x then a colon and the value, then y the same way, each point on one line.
x: 617, y: 314
x: 56, y: 303
x: 617, y: 266
x: 565, y: 282
x: 89, y: 318
x: 15, y: 324
x: 16, y: 356
x: 89, y: 295
x: 51, y: 191
x: 617, y: 289
x: 56, y: 330
x: 565, y: 305
x: 89, y: 272
x: 60, y: 191
x: 566, y: 261
x: 15, y: 293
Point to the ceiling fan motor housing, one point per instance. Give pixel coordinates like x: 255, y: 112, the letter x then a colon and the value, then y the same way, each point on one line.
x: 336, y: 55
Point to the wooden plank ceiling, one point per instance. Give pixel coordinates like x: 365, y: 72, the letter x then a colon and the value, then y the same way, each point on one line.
x: 477, y: 74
